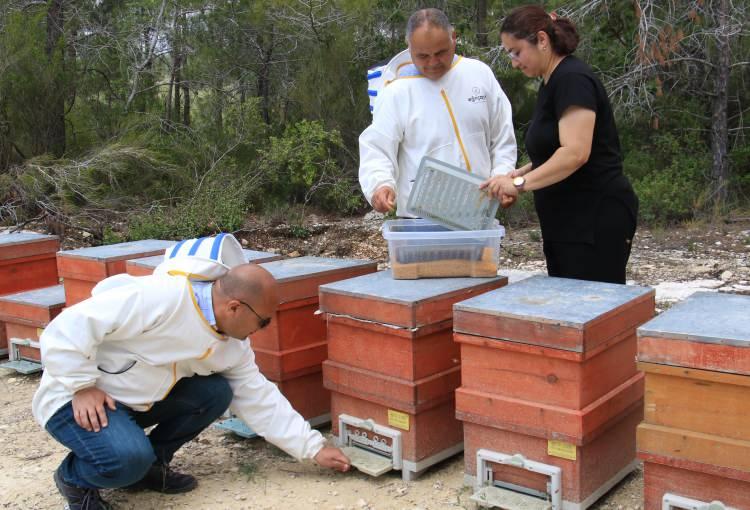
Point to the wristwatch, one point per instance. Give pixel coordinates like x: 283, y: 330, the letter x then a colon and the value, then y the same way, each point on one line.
x: 519, y: 182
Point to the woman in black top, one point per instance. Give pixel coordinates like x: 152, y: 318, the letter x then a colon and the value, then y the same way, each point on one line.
x: 586, y: 206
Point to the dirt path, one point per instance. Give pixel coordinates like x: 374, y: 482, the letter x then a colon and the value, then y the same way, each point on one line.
x: 243, y: 474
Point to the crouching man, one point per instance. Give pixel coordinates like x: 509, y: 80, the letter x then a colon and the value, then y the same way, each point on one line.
x: 167, y: 350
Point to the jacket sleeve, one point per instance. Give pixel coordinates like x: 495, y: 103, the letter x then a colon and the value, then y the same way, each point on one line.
x: 70, y: 342
x: 264, y: 409
x: 378, y: 146
x: 503, y: 151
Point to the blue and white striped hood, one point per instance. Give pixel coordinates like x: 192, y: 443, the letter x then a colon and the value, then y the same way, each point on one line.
x: 205, y: 258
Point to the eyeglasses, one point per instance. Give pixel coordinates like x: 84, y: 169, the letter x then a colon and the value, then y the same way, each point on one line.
x: 264, y: 321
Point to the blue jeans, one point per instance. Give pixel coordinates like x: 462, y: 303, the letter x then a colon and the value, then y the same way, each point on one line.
x: 121, y: 453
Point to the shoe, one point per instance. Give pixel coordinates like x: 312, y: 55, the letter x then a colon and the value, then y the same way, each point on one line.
x: 79, y: 498
x: 161, y: 478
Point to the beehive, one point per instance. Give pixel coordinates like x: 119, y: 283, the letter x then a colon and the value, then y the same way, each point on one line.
x: 695, y: 441
x: 548, y: 372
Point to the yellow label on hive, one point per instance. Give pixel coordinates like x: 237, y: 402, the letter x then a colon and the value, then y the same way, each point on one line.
x: 398, y: 419
x: 561, y: 449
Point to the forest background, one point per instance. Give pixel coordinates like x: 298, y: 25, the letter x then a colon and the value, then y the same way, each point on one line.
x: 171, y: 119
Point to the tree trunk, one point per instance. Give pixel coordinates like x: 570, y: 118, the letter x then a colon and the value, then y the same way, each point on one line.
x: 177, y: 80
x: 719, y: 122
x: 264, y: 77
x: 54, y: 136
x: 482, y: 23
x: 186, y: 95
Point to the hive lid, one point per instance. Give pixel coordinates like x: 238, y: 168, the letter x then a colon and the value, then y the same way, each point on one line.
x: 250, y: 255
x: 704, y: 317
x: 564, y: 313
x: 7, y: 239
x: 46, y: 297
x: 406, y: 303
x: 451, y: 196
x: 26, y: 244
x: 119, y: 251
x: 300, y: 277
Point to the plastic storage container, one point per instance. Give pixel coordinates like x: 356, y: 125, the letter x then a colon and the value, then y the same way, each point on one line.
x: 424, y: 249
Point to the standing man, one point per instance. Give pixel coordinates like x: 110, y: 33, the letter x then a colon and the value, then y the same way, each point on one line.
x: 168, y: 350
x: 440, y: 105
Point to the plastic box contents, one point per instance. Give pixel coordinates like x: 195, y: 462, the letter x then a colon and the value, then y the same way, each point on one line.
x: 451, y: 196
x: 424, y: 249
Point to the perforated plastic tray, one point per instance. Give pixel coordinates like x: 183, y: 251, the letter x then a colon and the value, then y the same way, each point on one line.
x: 451, y: 196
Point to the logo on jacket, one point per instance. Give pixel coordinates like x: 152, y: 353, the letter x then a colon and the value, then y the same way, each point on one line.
x: 477, y: 96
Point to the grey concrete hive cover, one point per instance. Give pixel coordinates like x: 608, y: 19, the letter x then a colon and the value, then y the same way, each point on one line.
x: 563, y: 301
x: 382, y: 286
x: 45, y: 297
x: 303, y: 267
x: 118, y: 251
x: 707, y: 317
x: 23, y: 237
x: 451, y: 196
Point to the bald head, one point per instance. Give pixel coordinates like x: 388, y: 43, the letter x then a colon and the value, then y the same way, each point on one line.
x: 249, y: 282
x: 431, y: 18
x: 245, y: 285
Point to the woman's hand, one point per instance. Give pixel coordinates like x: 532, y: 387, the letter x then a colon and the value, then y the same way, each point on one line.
x: 502, y: 188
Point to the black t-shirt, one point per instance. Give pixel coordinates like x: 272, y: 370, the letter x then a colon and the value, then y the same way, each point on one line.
x: 567, y: 209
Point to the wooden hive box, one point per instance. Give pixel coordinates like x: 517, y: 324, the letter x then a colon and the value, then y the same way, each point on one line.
x: 548, y: 372
x: 391, y: 358
x: 83, y: 268
x: 696, y: 357
x: 294, y: 343
x: 26, y: 314
x: 146, y: 265
x: 27, y: 261
x: 291, y: 350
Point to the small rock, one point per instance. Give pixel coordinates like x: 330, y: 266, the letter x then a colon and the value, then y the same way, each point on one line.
x: 361, y: 503
x: 374, y: 216
x: 294, y: 254
x: 726, y: 275
x: 437, y: 485
x: 86, y: 235
x: 244, y: 242
x: 718, y: 243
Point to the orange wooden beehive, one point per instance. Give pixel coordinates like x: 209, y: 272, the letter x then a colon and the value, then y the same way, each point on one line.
x: 548, y: 372
x: 25, y: 315
x: 391, y: 358
x: 696, y: 358
x: 146, y: 265
x: 83, y: 268
x: 27, y: 261
x: 291, y: 350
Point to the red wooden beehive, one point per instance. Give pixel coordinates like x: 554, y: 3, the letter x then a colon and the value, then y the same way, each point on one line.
x: 695, y: 439
x: 391, y: 357
x: 291, y: 350
x: 145, y: 266
x: 26, y: 314
x: 83, y: 268
x: 27, y: 261
x: 548, y: 372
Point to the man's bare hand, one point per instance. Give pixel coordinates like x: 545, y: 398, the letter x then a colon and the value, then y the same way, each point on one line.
x: 384, y: 199
x: 88, y: 408
x: 331, y: 457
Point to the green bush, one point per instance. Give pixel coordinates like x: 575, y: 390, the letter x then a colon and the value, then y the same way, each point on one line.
x: 302, y: 167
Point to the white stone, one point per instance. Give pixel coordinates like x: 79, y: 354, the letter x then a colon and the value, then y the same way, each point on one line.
x: 677, y: 291
x: 374, y: 216
x: 726, y: 275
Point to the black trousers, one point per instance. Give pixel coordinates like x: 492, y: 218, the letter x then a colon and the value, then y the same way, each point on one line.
x: 606, y: 258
